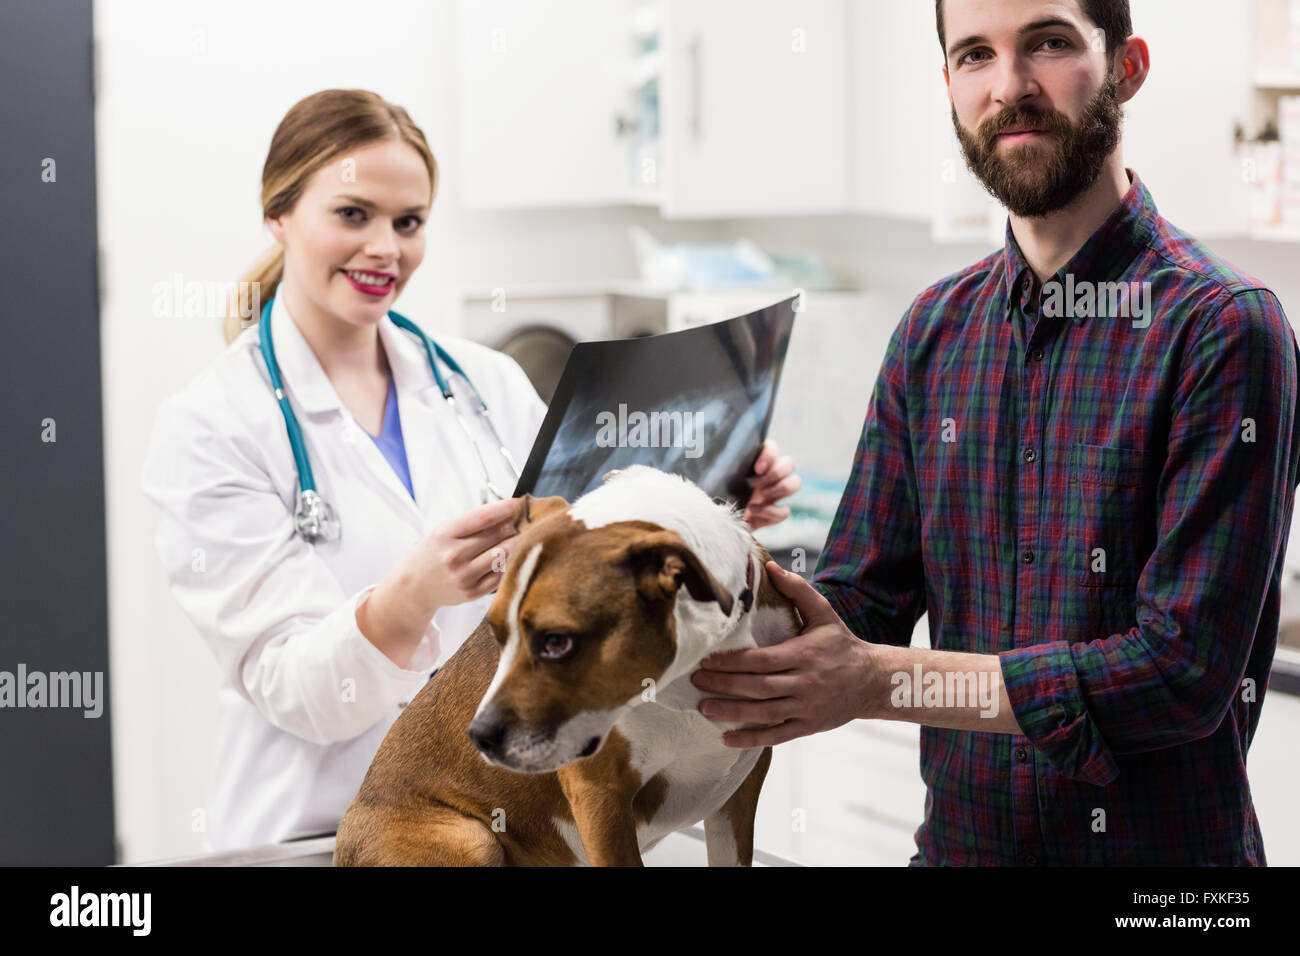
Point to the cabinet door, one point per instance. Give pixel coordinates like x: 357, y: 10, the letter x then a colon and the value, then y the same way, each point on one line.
x: 754, y: 107
x: 898, y: 109
x: 1178, y: 128
x: 541, y: 86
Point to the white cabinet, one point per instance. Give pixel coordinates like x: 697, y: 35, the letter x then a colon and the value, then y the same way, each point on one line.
x: 905, y: 160
x: 896, y: 93
x: 754, y: 107
x: 1178, y: 129
x: 748, y: 100
x: 540, y: 95
x: 770, y: 107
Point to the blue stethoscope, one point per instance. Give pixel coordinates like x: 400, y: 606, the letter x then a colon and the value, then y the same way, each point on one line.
x: 314, y: 518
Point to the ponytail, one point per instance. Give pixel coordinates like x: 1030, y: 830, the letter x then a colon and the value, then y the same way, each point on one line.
x: 260, y: 281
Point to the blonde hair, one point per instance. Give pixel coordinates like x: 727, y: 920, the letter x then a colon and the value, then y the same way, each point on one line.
x: 315, y: 131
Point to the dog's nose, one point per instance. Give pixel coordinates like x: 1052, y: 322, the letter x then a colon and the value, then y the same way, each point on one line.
x: 487, y: 734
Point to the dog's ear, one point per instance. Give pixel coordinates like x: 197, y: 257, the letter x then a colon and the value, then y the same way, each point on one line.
x: 531, y: 510
x: 662, y: 563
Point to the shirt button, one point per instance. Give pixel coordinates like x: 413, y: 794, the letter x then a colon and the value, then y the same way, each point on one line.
x: 402, y: 703
x: 1027, y: 555
x: 1022, y: 754
x: 1031, y: 860
x: 1031, y: 455
x: 1036, y: 355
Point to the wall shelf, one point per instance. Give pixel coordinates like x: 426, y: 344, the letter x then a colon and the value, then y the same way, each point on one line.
x: 1277, y: 80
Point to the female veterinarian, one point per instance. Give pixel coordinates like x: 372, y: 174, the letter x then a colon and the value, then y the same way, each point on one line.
x: 329, y: 494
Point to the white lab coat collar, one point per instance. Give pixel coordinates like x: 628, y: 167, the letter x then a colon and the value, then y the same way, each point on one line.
x: 310, y: 387
x: 314, y: 396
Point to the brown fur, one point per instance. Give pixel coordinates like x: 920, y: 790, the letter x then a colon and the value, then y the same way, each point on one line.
x: 741, y: 806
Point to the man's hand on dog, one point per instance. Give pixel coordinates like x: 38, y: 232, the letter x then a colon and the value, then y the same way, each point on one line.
x: 773, y: 478
x: 817, y: 680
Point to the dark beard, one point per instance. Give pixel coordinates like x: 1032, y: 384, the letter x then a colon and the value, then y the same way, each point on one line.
x: 1038, y: 178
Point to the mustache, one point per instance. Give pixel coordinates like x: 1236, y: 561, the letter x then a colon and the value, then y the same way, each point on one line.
x: 1049, y: 121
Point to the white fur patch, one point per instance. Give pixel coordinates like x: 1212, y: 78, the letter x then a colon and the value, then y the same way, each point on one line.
x: 772, y: 626
x: 569, y: 832
x: 529, y: 751
x: 522, y: 580
x: 721, y: 841
x: 717, y: 535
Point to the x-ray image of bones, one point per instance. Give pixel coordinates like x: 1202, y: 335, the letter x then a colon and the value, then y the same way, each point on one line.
x: 695, y: 403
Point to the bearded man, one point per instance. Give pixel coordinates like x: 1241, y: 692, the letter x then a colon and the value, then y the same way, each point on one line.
x: 1080, y: 459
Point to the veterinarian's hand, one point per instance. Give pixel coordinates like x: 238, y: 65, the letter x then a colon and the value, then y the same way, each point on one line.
x: 773, y: 478
x: 819, y: 679
x: 464, y: 558
x: 456, y: 562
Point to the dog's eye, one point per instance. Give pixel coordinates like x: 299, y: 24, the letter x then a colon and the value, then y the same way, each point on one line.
x: 553, y: 645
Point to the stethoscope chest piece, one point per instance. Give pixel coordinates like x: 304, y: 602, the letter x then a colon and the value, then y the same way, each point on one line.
x: 315, y: 519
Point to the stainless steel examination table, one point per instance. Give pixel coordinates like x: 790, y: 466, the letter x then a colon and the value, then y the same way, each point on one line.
x: 683, y: 848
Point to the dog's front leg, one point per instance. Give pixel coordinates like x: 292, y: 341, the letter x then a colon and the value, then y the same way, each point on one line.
x: 729, y: 833
x: 602, y: 810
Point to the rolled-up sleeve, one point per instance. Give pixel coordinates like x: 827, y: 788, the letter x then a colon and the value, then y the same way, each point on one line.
x: 282, y: 629
x: 1224, y: 502
x: 871, y: 570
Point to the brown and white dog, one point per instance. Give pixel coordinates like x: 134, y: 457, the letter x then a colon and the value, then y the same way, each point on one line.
x: 565, y: 730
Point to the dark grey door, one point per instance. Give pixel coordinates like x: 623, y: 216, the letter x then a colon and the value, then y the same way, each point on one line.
x: 56, y: 793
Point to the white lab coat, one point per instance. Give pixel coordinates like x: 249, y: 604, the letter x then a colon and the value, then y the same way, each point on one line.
x: 306, y: 699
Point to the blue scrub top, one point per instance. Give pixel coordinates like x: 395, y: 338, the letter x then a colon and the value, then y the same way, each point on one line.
x: 389, y: 440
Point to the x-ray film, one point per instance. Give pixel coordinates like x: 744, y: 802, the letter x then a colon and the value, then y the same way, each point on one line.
x: 696, y: 403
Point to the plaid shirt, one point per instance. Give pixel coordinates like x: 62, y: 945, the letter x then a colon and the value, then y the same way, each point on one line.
x: 1105, y: 505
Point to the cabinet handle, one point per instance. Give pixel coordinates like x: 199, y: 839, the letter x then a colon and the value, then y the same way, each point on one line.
x: 696, y: 120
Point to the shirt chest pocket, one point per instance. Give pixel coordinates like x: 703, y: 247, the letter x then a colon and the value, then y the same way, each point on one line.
x: 1101, y: 515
